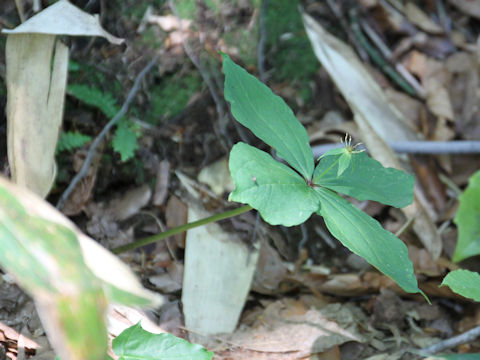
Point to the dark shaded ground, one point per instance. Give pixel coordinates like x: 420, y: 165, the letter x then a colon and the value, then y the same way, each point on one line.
x: 181, y: 123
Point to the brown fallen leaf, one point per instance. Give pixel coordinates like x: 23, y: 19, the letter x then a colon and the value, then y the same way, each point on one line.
x: 176, y: 214
x: 161, y: 185
x: 290, y: 330
x: 469, y: 7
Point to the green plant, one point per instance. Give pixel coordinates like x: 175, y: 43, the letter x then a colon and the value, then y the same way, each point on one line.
x: 468, y: 221
x: 289, y: 195
x: 136, y: 343
x: 71, y: 278
x: 71, y: 140
x: 286, y: 38
x: 125, y: 138
x: 465, y: 282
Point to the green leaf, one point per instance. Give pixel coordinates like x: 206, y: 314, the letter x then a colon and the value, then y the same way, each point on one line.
x: 468, y: 221
x: 255, y: 106
x: 46, y: 260
x: 344, y: 163
x: 136, y: 343
x: 71, y: 140
x: 365, y: 237
x: 276, y: 191
x: 454, y: 357
x: 125, y: 141
x: 464, y: 282
x: 93, y: 96
x: 364, y: 179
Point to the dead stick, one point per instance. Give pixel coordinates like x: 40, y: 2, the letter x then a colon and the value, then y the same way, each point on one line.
x: 467, y: 336
x: 417, y: 147
x: 99, y: 138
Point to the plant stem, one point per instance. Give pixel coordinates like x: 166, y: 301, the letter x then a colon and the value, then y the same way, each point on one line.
x: 179, y: 229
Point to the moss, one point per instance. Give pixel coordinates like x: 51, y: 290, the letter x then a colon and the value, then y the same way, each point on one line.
x: 186, y: 8
x: 152, y: 37
x: 136, y: 9
x: 246, y: 41
x: 289, y: 50
x: 171, y: 96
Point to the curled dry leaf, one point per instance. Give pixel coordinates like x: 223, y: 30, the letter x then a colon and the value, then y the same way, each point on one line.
x: 130, y: 203
x: 36, y: 74
x: 63, y: 18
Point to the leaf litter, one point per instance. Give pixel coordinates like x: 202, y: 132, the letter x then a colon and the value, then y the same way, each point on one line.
x: 296, y: 312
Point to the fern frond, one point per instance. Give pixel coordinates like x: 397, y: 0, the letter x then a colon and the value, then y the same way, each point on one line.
x: 125, y: 140
x: 93, y: 96
x: 71, y: 140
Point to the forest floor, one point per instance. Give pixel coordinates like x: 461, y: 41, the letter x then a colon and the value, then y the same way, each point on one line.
x: 310, y: 297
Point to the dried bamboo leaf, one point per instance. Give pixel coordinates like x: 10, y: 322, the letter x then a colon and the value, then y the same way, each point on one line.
x: 63, y: 18
x: 34, y: 107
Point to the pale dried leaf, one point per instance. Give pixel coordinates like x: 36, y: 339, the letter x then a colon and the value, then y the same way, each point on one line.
x: 438, y: 100
x: 63, y: 18
x: 36, y: 92
x: 289, y: 328
x: 217, y: 176
x: 176, y: 214
x: 468, y: 7
x: 169, y: 22
x: 419, y: 18
x: 130, y: 203
x: 356, y: 84
x: 218, y: 272
x: 161, y: 184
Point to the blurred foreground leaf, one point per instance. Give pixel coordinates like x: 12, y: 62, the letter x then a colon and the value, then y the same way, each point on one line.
x: 468, y: 221
x: 70, y: 277
x: 136, y: 343
x: 464, y: 282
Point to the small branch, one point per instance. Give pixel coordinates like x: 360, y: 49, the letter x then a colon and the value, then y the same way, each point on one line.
x: 180, y: 229
x: 222, y: 114
x: 20, y: 10
x: 417, y: 147
x: 467, y: 336
x: 262, y: 42
x: 377, y: 57
x: 388, y: 55
x: 99, y: 138
x: 333, y: 5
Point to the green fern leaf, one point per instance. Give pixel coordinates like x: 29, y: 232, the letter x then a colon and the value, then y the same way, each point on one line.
x: 125, y: 140
x: 71, y: 140
x: 92, y: 96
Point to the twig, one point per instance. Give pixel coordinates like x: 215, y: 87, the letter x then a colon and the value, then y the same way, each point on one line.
x: 333, y: 5
x: 20, y: 10
x: 417, y: 147
x: 182, y: 228
x: 377, y: 57
x: 101, y: 135
x: 388, y: 55
x: 467, y: 336
x: 262, y: 42
x: 205, y: 76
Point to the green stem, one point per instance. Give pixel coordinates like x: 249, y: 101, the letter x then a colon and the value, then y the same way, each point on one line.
x: 179, y: 229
